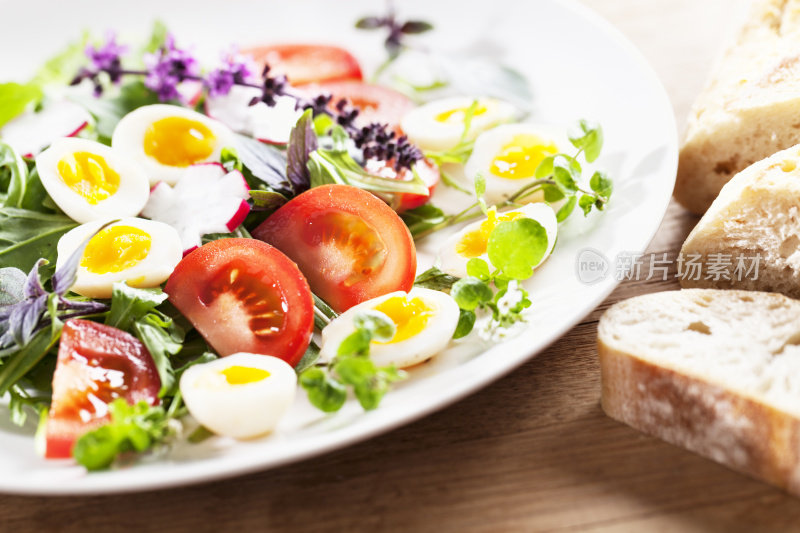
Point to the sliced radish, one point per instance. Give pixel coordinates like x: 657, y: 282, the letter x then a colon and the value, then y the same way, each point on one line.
x: 267, y: 124
x: 207, y: 199
x: 32, y: 132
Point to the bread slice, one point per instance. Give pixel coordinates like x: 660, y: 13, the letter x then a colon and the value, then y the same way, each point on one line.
x: 750, y: 107
x: 716, y: 372
x: 754, y: 225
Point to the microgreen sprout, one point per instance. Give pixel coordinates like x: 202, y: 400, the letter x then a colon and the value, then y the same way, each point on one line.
x: 326, y: 383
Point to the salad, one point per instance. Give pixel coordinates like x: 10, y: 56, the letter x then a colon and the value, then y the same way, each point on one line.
x: 186, y: 248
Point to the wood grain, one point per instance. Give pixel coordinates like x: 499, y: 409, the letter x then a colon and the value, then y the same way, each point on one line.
x: 532, y: 452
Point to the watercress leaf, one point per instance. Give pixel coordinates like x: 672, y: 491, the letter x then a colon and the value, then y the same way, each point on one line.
x: 380, y: 326
x: 12, y: 282
x: 471, y: 293
x: 26, y: 236
x: 435, y: 279
x: 564, y: 174
x: 586, y: 202
x: 324, y: 392
x: 515, y: 247
x: 354, y: 370
x: 16, y: 98
x: 309, y: 358
x: 302, y: 141
x: 566, y: 209
x: 587, y: 136
x: 478, y: 268
x: 129, y: 304
x: 545, y: 168
x: 357, y: 343
x: 601, y: 184
x: 552, y: 193
x: 466, y: 321
x: 416, y: 26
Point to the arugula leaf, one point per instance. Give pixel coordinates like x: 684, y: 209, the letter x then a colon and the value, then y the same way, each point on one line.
x: 23, y: 360
x: 16, y: 99
x: 302, y: 141
x: 163, y: 339
x: 422, y: 218
x: 515, y: 247
x: 21, y: 188
x: 435, y: 279
x: 129, y: 304
x: 132, y: 428
x: 61, y: 68
x: 108, y: 111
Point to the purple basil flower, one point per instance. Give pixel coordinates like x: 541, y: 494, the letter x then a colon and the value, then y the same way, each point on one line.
x: 107, y: 57
x: 235, y: 70
x: 167, y: 68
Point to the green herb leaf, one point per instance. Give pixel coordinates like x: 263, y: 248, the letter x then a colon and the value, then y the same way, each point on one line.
x: 19, y: 363
x: 108, y: 111
x: 16, y: 99
x: 163, y: 339
x: 309, y: 358
x: 267, y: 201
x: 129, y: 304
x: 132, y: 428
x: 229, y: 158
x: 380, y: 326
x: 478, y: 268
x: 586, y: 202
x: 471, y: 293
x: 435, y: 279
x: 466, y: 321
x: 601, y: 184
x: 587, y: 136
x: 324, y: 392
x: 357, y: 343
x: 62, y: 67
x: 565, y: 173
x: 26, y: 236
x: 517, y: 246
x: 422, y: 218
x: 566, y: 209
x: 552, y: 193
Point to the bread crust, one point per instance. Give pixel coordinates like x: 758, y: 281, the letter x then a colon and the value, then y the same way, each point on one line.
x: 733, y: 430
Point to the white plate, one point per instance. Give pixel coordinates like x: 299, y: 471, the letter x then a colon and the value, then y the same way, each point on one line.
x: 579, y: 66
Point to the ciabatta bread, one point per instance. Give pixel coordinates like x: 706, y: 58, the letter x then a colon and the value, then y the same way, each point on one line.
x: 754, y: 224
x: 750, y: 107
x: 716, y: 372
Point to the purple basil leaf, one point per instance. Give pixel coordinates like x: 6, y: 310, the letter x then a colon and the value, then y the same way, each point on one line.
x: 416, y: 26
x: 266, y: 163
x: 302, y: 142
x: 64, y: 278
x: 12, y: 287
x: 87, y: 307
x: 24, y: 318
x: 33, y: 285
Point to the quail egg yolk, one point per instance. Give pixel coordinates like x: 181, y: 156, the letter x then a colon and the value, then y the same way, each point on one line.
x: 178, y: 141
x: 519, y: 158
x: 475, y: 242
x: 115, y: 249
x: 242, y: 375
x: 89, y: 175
x: 409, y: 316
x: 446, y: 116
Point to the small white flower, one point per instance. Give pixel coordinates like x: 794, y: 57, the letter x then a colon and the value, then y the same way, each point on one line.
x: 510, y: 299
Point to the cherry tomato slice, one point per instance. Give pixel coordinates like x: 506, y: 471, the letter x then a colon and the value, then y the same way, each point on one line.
x: 307, y: 63
x: 351, y: 246
x: 374, y: 102
x: 427, y: 170
x: 243, y: 295
x: 96, y: 364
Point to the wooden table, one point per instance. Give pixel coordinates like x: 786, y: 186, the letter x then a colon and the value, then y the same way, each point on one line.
x: 533, y: 452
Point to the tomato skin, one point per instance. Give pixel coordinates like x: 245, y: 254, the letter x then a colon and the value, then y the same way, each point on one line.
x: 351, y: 246
x: 375, y: 103
x: 243, y: 295
x: 307, y: 63
x: 87, y: 352
x: 430, y: 174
